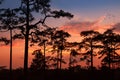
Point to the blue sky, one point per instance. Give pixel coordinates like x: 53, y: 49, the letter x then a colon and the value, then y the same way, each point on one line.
x: 86, y: 4
x: 83, y: 8
x: 89, y: 8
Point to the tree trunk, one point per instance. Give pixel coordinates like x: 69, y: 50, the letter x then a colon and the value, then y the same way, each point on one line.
x: 61, y: 51
x: 26, y: 43
x: 26, y: 55
x: 57, y: 60
x: 109, y: 62
x: 44, y: 61
x: 44, y: 56
x: 91, y: 60
x: 61, y: 59
x: 10, y: 54
x: 70, y: 61
x: 91, y: 55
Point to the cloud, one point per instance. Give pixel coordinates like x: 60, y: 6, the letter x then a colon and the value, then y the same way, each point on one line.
x: 99, y: 21
x: 117, y: 27
x: 75, y: 27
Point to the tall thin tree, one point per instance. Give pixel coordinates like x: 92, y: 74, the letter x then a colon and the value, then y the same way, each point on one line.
x: 28, y: 7
x: 89, y: 44
x: 59, y: 38
x: 110, y: 42
x: 73, y: 53
x: 9, y: 21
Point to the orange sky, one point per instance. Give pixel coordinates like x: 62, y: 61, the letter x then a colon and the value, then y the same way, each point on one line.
x: 73, y: 27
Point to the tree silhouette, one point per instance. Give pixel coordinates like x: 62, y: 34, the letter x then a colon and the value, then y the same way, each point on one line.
x: 43, y: 38
x: 73, y: 53
x: 4, y: 40
x: 38, y: 61
x: 88, y: 43
x: 28, y: 8
x: 59, y: 39
x: 110, y: 42
x: 9, y: 21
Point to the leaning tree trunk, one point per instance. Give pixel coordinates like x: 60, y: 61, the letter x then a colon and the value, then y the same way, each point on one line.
x: 10, y: 54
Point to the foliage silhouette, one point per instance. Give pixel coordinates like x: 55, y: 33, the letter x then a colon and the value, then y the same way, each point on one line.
x: 43, y: 38
x: 26, y: 10
x: 89, y: 43
x: 4, y: 40
x: 37, y: 32
x: 73, y: 53
x: 26, y: 19
x: 9, y: 21
x: 38, y: 61
x: 59, y: 38
x: 110, y: 43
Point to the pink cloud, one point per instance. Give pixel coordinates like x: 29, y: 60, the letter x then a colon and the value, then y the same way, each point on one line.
x: 117, y: 27
x: 76, y: 27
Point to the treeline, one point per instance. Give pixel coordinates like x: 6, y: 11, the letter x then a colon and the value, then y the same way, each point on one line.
x: 104, y: 46
x: 21, y: 23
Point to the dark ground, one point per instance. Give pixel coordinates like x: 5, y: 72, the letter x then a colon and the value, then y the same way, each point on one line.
x: 63, y: 75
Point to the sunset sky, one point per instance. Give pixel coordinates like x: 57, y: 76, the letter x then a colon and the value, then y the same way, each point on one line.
x: 88, y: 14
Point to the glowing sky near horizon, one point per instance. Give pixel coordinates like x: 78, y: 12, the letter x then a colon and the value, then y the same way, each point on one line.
x: 88, y: 14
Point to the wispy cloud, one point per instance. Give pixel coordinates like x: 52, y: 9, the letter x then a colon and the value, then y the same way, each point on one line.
x: 117, y: 27
x: 75, y: 27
